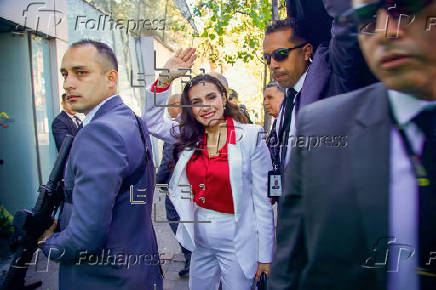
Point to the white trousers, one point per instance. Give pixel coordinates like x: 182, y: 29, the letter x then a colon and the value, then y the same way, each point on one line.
x: 214, y: 258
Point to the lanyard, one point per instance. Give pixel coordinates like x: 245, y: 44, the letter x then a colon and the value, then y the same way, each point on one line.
x: 282, y: 136
x: 415, y: 159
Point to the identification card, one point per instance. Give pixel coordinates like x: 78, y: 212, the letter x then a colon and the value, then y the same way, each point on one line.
x: 274, y: 184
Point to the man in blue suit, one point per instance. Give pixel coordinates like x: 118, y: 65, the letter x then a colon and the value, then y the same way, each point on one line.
x: 65, y: 123
x: 106, y: 239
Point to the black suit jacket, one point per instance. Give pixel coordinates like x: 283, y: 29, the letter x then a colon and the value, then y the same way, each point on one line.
x: 61, y: 126
x: 163, y: 175
x: 307, y: 11
x: 335, y: 203
x: 338, y: 65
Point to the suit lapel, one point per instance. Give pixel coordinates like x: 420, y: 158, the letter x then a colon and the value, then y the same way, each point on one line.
x: 370, y: 153
x: 184, y: 206
x: 235, y: 167
x: 180, y: 168
x: 71, y: 126
x: 179, y: 178
x: 108, y: 106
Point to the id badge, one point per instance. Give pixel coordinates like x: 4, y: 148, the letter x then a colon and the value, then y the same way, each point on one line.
x: 274, y: 184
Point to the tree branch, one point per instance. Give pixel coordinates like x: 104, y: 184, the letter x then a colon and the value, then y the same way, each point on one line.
x: 242, y: 12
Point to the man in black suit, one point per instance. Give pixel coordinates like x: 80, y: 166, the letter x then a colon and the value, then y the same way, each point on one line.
x: 363, y: 216
x: 65, y: 123
x: 310, y: 62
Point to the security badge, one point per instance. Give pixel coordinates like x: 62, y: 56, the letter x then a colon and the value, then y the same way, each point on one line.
x: 274, y: 184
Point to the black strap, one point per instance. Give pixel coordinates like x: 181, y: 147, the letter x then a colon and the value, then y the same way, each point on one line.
x: 137, y: 174
x: 133, y: 178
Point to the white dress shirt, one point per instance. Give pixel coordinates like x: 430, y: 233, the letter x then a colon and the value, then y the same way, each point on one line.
x: 94, y: 110
x: 297, y: 87
x: 403, y: 202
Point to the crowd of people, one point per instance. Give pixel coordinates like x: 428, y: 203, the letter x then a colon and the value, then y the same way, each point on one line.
x: 357, y: 216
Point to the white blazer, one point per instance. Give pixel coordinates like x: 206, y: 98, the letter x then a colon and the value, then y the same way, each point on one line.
x: 249, y: 163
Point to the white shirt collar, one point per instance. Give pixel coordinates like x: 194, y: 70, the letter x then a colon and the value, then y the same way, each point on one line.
x: 299, y: 84
x: 405, y: 107
x: 94, y: 110
x: 69, y: 115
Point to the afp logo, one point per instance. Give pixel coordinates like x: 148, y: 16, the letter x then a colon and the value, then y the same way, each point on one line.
x: 387, y: 253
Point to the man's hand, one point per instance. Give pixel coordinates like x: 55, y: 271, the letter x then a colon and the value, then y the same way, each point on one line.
x: 48, y: 233
x: 177, y: 66
x: 262, y: 267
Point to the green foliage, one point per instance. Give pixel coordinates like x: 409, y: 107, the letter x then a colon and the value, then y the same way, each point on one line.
x: 6, y: 228
x: 241, y: 23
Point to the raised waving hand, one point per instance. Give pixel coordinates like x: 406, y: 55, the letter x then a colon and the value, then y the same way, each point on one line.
x: 177, y: 65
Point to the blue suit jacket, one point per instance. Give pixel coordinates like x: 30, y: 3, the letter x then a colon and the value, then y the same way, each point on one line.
x: 61, y: 126
x: 101, y: 218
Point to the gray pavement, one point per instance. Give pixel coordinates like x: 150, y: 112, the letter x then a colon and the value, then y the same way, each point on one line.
x: 169, y: 249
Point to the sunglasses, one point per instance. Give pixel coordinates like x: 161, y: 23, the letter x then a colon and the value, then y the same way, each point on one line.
x: 365, y: 16
x: 280, y: 54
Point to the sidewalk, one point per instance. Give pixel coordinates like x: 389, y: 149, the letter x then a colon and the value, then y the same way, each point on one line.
x: 168, y: 246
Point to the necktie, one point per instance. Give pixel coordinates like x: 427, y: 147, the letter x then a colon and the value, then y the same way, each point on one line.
x: 78, y: 122
x: 273, y: 145
x: 426, y: 121
x: 288, y: 105
x: 285, y: 123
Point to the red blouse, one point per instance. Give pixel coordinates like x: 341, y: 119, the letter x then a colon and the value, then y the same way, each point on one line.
x: 209, y: 176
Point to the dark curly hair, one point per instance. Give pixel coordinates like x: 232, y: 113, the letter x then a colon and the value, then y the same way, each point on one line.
x: 192, y: 131
x: 297, y: 27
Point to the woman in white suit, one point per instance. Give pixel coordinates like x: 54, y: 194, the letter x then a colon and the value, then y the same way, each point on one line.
x: 223, y: 163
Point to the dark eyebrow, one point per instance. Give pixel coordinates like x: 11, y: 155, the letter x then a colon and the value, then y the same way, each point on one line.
x: 79, y: 67
x: 74, y: 68
x: 211, y: 93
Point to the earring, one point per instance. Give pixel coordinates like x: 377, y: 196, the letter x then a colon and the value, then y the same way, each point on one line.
x: 310, y: 60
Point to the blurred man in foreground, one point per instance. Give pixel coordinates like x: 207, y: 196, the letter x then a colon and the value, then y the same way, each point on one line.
x: 363, y: 216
